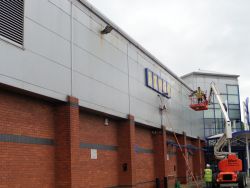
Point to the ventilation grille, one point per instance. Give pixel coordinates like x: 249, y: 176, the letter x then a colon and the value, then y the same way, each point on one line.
x: 11, y: 20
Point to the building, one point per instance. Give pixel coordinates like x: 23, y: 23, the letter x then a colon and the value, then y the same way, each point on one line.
x: 81, y: 108
x: 228, y: 86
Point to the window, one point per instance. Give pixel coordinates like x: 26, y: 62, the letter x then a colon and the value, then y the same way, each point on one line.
x: 234, y: 114
x: 220, y: 124
x: 233, y: 99
x: 11, y: 20
x: 209, y: 132
x: 209, y: 113
x: 223, y: 99
x: 232, y: 90
x: 234, y: 106
x: 218, y: 113
x: 209, y: 123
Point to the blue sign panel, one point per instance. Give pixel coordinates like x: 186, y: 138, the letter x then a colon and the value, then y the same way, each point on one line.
x: 156, y: 83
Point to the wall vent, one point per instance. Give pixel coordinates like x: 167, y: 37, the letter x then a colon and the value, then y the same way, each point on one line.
x: 11, y: 20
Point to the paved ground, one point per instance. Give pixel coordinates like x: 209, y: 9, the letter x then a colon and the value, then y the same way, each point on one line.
x: 202, y: 184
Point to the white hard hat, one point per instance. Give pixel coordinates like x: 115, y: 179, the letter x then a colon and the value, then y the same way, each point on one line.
x: 208, y: 165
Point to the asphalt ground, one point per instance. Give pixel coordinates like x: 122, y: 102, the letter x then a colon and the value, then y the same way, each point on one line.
x: 202, y: 184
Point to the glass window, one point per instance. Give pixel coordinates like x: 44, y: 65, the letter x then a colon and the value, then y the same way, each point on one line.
x: 233, y: 99
x: 218, y: 113
x: 219, y: 124
x: 209, y: 132
x: 236, y: 125
x: 223, y: 99
x: 209, y: 123
x: 234, y: 106
x: 234, y: 114
x: 209, y: 113
x: 232, y: 90
x: 216, y: 106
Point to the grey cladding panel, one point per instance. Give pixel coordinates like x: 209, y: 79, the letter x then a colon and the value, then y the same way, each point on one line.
x: 49, y: 16
x: 11, y: 20
x: 100, y: 94
x: 46, y: 43
x: 97, y: 46
x: 33, y: 69
x: 93, y: 67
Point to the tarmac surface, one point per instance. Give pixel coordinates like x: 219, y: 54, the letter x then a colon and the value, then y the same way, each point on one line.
x: 202, y: 184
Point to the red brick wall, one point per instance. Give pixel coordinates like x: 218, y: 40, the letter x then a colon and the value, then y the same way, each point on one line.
x: 42, y: 165
x: 190, y: 159
x: 203, y: 144
x: 103, y: 171
x: 26, y: 165
x: 145, y: 175
x: 23, y: 115
x: 172, y: 161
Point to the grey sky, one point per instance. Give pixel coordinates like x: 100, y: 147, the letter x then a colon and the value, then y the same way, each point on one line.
x: 189, y: 34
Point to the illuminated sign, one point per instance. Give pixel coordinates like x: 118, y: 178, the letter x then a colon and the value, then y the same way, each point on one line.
x: 156, y: 83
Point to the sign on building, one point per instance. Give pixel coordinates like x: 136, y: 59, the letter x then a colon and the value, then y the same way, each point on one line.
x: 158, y: 84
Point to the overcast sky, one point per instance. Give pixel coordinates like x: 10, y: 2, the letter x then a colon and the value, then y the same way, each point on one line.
x: 187, y: 35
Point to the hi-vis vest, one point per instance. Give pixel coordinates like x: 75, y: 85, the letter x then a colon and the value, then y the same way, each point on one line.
x: 208, y: 175
x: 199, y: 94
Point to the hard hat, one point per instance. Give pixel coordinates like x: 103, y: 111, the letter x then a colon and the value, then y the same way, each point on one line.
x: 208, y: 165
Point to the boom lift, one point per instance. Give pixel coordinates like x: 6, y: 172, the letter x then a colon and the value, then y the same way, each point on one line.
x: 230, y: 166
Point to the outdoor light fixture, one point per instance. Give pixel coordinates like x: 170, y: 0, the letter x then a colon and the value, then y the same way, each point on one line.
x: 106, y: 121
x: 107, y: 29
x: 154, y: 132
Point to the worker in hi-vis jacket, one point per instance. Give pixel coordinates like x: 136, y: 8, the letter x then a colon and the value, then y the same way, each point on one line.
x: 199, y: 94
x: 208, y: 176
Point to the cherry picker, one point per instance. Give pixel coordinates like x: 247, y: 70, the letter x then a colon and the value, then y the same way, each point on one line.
x: 230, y: 166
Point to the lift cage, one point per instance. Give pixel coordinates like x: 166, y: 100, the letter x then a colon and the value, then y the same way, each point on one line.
x: 198, y: 106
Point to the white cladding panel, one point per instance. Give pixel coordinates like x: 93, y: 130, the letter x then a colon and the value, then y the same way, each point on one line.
x: 106, y: 72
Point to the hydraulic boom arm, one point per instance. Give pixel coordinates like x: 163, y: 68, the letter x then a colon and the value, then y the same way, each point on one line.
x: 227, y: 135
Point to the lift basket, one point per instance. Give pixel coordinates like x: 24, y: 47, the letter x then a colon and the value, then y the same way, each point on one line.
x: 198, y: 106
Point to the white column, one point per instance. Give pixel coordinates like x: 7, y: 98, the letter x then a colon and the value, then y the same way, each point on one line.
x: 247, y: 152
x: 229, y: 146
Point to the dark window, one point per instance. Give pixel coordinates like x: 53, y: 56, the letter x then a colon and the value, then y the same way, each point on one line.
x: 234, y: 114
x: 11, y: 20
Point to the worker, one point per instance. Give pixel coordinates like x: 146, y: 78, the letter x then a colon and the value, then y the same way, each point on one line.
x: 208, y: 176
x: 199, y: 95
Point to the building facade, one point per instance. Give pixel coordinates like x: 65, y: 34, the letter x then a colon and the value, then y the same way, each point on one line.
x: 228, y: 86
x: 82, y: 109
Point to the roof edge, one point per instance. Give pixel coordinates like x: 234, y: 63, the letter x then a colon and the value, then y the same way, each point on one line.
x: 130, y: 39
x: 211, y: 74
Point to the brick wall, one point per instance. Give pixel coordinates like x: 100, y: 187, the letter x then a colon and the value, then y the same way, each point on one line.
x: 26, y: 150
x: 190, y: 158
x: 103, y: 171
x: 144, y: 157
x: 172, y: 161
x: 48, y: 144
